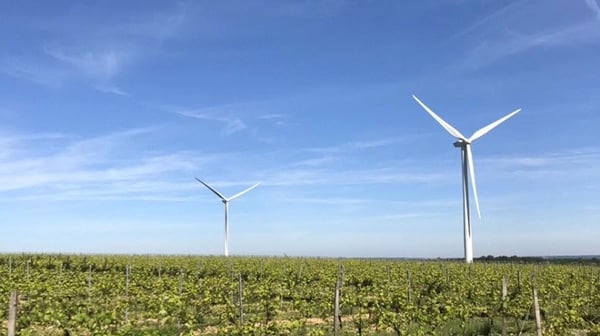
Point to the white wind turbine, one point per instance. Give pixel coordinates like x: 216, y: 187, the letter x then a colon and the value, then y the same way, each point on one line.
x: 464, y: 144
x: 226, y: 201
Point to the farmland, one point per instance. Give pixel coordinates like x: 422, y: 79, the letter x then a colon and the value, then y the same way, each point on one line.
x: 191, y: 295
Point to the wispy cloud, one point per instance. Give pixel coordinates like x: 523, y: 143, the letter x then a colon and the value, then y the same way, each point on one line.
x: 103, y: 52
x: 112, y: 89
x: 102, y: 64
x: 35, y: 71
x: 96, y: 52
x: 103, y: 167
x: 329, y: 177
x: 491, y: 51
x: 11, y: 144
x: 364, y: 144
x: 397, y: 216
x: 154, y: 26
x: 287, y: 9
x: 225, y: 114
x: 250, y: 117
x: 594, y: 7
x: 315, y: 162
x: 575, y: 157
x: 414, y: 204
x: 491, y: 17
x: 504, y: 33
x: 276, y: 118
x: 329, y: 200
x: 575, y: 165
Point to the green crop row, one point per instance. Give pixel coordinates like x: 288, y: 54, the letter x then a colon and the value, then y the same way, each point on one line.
x: 190, y: 295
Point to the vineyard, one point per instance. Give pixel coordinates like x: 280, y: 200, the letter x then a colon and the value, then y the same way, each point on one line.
x: 190, y: 295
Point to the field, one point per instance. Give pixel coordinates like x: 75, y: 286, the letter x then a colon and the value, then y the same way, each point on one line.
x: 190, y: 295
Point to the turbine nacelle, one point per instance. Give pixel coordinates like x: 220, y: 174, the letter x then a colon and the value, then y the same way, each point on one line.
x: 461, y: 143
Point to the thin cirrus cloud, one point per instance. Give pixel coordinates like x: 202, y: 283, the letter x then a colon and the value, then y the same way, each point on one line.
x: 490, y: 52
x: 112, y: 89
x: 575, y: 157
x: 306, y: 176
x: 100, y: 167
x: 94, y: 52
x: 594, y: 7
x: 229, y: 115
x: 490, y: 18
x: 154, y: 27
x: 233, y: 117
x: 420, y: 204
x: 40, y: 72
x: 365, y: 144
x: 102, y: 53
x: 221, y: 114
x: 277, y: 118
x: 577, y: 166
x: 516, y: 29
x: 103, y: 64
x: 105, y: 168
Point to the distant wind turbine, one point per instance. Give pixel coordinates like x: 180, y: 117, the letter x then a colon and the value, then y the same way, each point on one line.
x: 467, y: 161
x: 226, y: 201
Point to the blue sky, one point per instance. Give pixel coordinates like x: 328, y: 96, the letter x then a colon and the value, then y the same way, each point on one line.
x: 108, y: 110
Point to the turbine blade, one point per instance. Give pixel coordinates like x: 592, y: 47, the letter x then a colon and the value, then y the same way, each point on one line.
x: 481, y: 132
x: 211, y: 189
x: 472, y: 174
x: 453, y: 131
x: 243, y: 192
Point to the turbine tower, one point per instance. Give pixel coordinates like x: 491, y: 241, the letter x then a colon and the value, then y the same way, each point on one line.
x: 226, y: 201
x: 464, y: 144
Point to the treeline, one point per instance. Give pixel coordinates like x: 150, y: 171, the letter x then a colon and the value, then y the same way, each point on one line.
x: 562, y: 260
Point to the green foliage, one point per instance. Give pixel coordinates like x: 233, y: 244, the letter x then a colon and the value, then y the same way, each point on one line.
x: 189, y: 295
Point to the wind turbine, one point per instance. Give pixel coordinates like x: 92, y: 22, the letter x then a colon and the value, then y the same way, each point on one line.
x: 226, y: 201
x: 464, y: 144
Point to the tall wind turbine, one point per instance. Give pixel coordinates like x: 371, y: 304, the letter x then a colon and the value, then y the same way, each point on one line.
x: 464, y: 144
x: 226, y: 201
